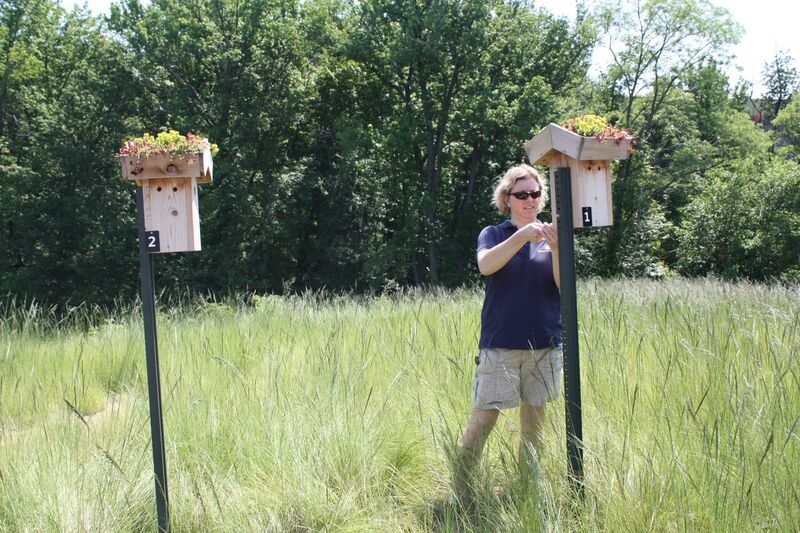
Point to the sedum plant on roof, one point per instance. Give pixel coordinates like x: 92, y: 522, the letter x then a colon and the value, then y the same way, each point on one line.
x: 597, y: 127
x: 166, y: 142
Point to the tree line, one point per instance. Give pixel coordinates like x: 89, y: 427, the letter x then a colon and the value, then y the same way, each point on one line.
x: 360, y: 140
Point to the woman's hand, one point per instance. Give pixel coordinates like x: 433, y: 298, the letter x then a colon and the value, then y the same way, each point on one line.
x: 550, y: 234
x: 532, y: 232
x: 493, y: 259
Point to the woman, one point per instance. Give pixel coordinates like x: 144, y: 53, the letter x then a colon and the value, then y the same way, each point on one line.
x: 519, y: 358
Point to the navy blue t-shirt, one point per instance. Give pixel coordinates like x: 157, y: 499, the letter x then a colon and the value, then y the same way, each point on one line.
x: 522, y: 306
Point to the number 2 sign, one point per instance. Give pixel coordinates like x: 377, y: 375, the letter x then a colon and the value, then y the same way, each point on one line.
x: 153, y: 242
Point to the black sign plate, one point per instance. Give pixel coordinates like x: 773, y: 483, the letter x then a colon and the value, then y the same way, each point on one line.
x: 586, y: 216
x: 153, y: 242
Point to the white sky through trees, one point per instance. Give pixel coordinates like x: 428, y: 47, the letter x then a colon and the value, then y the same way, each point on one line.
x: 770, y: 26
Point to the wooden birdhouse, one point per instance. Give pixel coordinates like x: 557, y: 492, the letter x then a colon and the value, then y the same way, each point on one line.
x: 169, y: 186
x: 589, y: 160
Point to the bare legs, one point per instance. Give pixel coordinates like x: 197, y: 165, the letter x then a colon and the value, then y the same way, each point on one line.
x: 531, y: 419
x: 481, y: 423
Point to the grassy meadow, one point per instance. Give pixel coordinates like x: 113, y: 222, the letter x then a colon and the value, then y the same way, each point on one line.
x: 321, y: 413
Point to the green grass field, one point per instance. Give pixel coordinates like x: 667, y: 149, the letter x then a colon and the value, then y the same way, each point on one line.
x: 339, y: 414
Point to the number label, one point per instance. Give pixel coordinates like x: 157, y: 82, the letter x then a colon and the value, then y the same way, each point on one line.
x: 152, y: 241
x: 586, y: 212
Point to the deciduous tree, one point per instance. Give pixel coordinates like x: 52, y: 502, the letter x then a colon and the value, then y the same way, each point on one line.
x: 655, y: 46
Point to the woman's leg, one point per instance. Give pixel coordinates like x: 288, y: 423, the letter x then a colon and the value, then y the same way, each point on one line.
x: 481, y: 423
x: 531, y: 419
x: 469, y: 451
x: 541, y: 378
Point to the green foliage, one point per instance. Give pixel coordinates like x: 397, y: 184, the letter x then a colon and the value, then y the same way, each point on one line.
x: 710, y: 94
x: 64, y: 102
x: 789, y: 118
x: 659, y: 46
x: 780, y: 79
x: 788, y: 128
x: 745, y: 223
x: 360, y: 140
x: 421, y: 107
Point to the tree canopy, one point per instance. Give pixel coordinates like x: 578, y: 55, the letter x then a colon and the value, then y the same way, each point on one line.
x: 360, y: 140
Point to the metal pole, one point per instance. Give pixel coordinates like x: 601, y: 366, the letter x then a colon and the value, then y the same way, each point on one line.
x: 153, y: 376
x: 569, y: 324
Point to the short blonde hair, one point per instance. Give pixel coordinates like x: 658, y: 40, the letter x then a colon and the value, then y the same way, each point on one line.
x: 506, y: 183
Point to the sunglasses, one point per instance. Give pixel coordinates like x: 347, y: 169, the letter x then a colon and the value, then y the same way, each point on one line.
x: 522, y: 195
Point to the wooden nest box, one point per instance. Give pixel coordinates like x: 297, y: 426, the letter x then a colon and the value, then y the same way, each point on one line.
x: 169, y: 186
x: 589, y: 161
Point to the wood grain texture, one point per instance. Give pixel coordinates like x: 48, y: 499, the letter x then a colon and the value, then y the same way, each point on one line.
x: 171, y: 208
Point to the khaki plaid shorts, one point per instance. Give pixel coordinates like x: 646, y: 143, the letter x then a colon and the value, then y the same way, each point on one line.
x: 504, y: 376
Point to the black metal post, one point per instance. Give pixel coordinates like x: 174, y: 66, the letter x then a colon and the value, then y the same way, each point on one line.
x: 153, y: 376
x: 569, y: 324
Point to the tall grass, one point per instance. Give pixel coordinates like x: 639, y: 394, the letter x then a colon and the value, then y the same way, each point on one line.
x: 339, y: 413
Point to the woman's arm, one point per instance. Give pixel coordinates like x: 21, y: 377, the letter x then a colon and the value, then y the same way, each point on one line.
x: 493, y: 259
